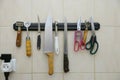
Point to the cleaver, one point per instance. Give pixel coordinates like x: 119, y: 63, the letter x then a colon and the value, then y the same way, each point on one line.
x: 48, y: 45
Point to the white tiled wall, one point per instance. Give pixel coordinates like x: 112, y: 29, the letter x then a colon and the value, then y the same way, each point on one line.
x: 106, y: 62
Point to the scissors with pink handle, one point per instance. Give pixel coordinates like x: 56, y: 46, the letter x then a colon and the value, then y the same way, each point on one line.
x: 78, y: 38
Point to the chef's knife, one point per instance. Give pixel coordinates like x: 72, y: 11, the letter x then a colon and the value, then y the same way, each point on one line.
x: 66, y: 60
x: 48, y: 47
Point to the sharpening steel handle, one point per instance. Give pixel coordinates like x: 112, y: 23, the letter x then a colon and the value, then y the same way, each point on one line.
x: 28, y: 47
x: 56, y: 45
x: 66, y: 63
x: 18, y: 39
x: 50, y: 63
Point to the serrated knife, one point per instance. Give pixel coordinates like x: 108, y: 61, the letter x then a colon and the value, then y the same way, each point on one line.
x: 48, y: 45
x: 66, y: 60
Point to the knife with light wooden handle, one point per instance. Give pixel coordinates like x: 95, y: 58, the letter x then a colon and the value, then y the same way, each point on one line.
x: 48, y: 45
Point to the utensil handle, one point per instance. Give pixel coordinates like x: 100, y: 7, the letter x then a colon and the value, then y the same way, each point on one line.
x: 28, y: 47
x: 66, y: 63
x: 50, y: 63
x: 39, y: 42
x: 85, y: 36
x: 18, y: 39
x: 56, y: 45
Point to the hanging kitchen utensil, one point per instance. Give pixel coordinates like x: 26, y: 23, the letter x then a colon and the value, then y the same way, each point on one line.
x: 28, y: 42
x: 48, y: 48
x: 92, y: 44
x: 78, y: 38
x: 56, y: 39
x: 19, y: 33
x: 66, y: 60
x: 39, y: 35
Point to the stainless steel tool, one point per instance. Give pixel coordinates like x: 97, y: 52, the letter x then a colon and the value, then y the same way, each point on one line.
x: 56, y: 39
x: 39, y: 35
x: 48, y: 47
x: 66, y: 60
x: 28, y: 42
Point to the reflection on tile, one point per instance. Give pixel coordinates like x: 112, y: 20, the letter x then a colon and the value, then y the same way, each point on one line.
x: 107, y: 58
x: 12, y: 11
x: 46, y: 7
x: 78, y: 76
x: 107, y: 76
x: 7, y: 40
x: 107, y: 12
x: 78, y: 8
x: 56, y: 76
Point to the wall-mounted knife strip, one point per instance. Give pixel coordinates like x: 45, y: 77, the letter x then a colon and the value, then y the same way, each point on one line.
x: 71, y: 26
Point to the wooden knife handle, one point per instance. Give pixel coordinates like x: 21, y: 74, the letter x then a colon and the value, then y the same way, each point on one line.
x: 18, y: 39
x: 66, y: 63
x: 28, y: 47
x: 50, y: 63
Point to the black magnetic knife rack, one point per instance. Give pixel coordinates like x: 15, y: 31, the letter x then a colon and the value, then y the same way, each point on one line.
x: 71, y: 26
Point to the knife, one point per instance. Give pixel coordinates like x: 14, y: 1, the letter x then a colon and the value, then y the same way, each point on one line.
x: 66, y: 60
x: 39, y: 35
x: 48, y: 45
x: 56, y: 39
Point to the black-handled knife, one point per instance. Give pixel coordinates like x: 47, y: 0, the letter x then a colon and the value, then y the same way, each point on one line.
x: 66, y: 60
x: 39, y: 35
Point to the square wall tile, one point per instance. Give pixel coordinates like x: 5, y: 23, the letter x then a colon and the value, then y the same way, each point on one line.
x: 107, y: 76
x: 45, y: 7
x: 7, y: 40
x: 108, y: 58
x: 78, y: 76
x: 107, y: 12
x: 15, y: 10
x: 40, y: 60
x: 44, y: 76
x: 73, y: 10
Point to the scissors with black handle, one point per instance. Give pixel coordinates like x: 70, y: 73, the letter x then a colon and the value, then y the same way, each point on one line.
x: 92, y: 44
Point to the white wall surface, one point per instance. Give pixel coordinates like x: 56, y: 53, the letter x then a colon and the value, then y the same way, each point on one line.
x: 106, y: 62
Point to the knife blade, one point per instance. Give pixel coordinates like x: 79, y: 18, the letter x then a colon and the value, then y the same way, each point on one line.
x: 66, y: 60
x: 48, y: 47
x: 39, y: 35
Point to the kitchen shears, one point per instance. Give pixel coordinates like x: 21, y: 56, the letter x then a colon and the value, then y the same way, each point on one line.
x: 92, y: 44
x: 78, y: 38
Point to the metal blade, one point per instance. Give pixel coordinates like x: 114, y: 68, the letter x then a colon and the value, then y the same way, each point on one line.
x: 65, y: 37
x: 38, y: 24
x: 48, y: 36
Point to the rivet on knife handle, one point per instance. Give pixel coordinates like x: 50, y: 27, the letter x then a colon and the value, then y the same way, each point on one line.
x: 19, y: 33
x: 50, y: 63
